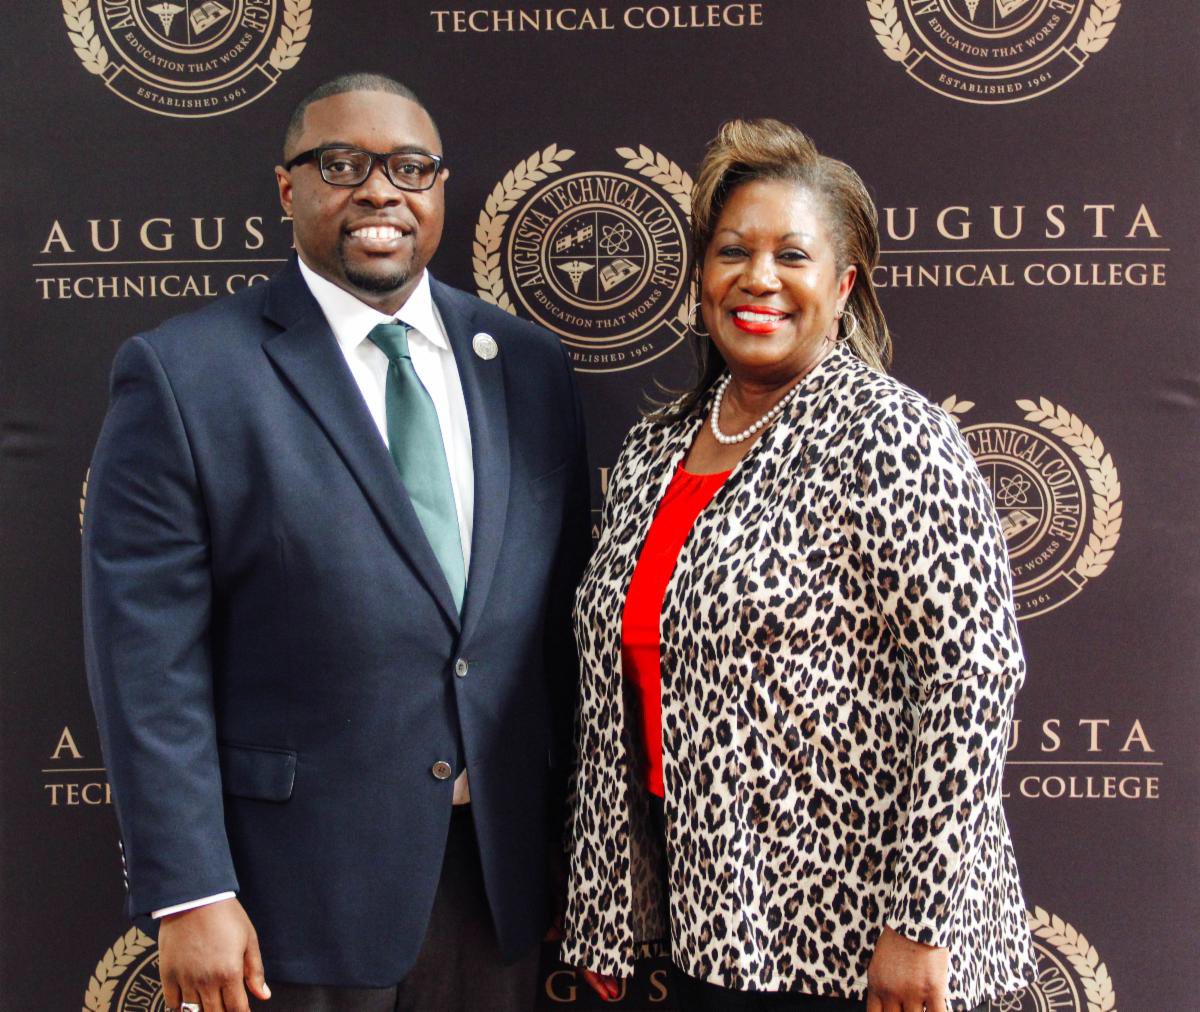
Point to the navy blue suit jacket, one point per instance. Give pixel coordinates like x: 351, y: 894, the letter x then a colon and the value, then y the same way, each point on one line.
x: 271, y: 644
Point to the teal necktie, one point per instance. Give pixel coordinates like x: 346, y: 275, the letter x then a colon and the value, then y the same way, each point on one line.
x: 415, y: 441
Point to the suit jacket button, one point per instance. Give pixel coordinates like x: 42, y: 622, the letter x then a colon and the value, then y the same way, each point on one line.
x: 460, y: 667
x: 442, y: 770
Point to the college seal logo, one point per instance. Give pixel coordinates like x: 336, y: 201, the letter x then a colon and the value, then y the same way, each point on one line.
x: 126, y: 979
x: 992, y: 51
x: 1058, y: 496
x: 188, y: 57
x: 1070, y: 976
x: 597, y: 255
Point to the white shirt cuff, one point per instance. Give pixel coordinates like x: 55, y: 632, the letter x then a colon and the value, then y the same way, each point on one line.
x: 179, y: 908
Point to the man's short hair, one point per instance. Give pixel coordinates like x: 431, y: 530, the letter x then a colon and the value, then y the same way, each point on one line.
x: 340, y: 85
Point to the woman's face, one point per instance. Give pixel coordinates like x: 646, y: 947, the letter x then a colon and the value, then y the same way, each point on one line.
x: 770, y: 290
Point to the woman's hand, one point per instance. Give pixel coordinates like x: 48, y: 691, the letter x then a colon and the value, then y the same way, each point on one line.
x: 906, y: 976
x: 608, y: 988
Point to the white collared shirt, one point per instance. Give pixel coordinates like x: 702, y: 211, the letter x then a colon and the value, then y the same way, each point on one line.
x: 432, y: 358
x: 351, y: 320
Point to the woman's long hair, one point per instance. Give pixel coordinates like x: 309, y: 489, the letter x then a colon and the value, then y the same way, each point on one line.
x: 748, y: 150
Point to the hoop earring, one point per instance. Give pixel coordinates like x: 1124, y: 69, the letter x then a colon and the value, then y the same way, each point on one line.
x: 843, y: 338
x: 694, y: 321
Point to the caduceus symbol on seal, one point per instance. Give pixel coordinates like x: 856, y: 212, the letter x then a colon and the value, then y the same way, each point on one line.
x: 1000, y: 8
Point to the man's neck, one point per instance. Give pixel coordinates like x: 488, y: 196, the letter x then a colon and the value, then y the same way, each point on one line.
x: 389, y: 303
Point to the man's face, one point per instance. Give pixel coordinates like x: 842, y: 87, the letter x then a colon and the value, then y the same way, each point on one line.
x: 373, y: 239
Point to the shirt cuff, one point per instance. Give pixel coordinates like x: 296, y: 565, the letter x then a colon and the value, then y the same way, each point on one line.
x: 179, y: 908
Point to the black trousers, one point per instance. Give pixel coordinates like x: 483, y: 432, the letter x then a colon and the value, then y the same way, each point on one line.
x: 459, y: 968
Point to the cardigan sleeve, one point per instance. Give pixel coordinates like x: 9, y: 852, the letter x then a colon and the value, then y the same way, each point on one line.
x: 935, y: 559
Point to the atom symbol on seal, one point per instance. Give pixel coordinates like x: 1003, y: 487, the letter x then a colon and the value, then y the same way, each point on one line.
x: 614, y: 239
x: 1013, y: 490
x: 1009, y: 1003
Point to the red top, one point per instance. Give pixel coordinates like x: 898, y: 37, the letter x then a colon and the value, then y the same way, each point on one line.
x: 682, y: 503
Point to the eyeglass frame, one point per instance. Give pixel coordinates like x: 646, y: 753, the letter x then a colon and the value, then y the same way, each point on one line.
x: 377, y: 158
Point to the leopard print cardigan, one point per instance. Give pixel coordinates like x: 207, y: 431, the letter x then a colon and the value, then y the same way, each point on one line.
x: 839, y: 659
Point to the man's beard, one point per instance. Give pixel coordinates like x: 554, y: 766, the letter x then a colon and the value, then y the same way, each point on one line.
x: 375, y: 284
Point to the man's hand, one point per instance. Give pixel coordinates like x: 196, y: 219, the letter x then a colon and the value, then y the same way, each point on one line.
x: 209, y: 956
x: 906, y: 976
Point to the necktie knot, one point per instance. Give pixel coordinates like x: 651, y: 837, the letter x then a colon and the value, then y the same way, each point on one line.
x: 391, y: 339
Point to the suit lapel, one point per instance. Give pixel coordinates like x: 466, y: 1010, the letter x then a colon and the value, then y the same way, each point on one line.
x: 307, y: 355
x: 487, y: 414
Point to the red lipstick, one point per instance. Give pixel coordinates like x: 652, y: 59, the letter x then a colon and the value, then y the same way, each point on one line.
x: 757, y: 319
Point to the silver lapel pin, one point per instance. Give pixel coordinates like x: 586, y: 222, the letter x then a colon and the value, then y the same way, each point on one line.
x: 485, y: 346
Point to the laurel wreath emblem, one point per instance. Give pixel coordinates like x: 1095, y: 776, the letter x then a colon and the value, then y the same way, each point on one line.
x: 956, y: 408
x: 678, y: 184
x: 890, y: 33
x: 82, y: 31
x: 489, y: 230
x: 297, y: 17
x: 103, y: 984
x: 1101, y: 472
x: 523, y: 177
x: 1101, y: 20
x: 663, y: 171
x: 1102, y: 476
x: 888, y: 29
x: 1081, y: 954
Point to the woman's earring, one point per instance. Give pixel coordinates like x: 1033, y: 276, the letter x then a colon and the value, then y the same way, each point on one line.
x: 694, y: 322
x: 843, y: 338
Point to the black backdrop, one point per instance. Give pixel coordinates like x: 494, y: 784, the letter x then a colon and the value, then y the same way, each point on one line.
x: 137, y: 163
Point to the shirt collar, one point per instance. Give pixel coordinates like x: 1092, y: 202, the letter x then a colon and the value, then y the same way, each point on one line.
x: 351, y: 319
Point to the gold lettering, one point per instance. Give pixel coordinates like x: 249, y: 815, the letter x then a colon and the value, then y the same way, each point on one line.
x: 997, y: 210
x: 1137, y: 734
x: 166, y: 239
x: 964, y: 229
x: 568, y: 992
x: 1094, y: 725
x: 57, y: 236
x: 1099, y: 210
x: 199, y: 226
x: 115, y: 235
x: 254, y: 232
x: 118, y: 15
x: 1142, y: 220
x: 1052, y: 740
x: 658, y: 986
x: 1053, y: 217
x: 257, y: 16
x: 889, y: 215
x: 66, y: 742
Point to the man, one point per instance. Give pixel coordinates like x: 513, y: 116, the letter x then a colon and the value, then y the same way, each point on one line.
x: 333, y: 531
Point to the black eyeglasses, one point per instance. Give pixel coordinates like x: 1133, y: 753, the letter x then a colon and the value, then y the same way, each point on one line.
x: 346, y: 166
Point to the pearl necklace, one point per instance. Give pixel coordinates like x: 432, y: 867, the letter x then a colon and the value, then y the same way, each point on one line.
x: 762, y: 423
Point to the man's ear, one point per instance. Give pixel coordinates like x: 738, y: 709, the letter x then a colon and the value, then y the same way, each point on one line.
x: 284, y: 181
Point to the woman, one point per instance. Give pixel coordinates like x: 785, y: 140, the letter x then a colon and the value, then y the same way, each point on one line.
x: 798, y: 646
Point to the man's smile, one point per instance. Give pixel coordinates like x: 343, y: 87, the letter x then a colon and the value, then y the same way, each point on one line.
x: 378, y: 237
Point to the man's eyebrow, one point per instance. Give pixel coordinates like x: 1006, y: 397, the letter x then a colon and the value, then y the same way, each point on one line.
x: 404, y: 149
